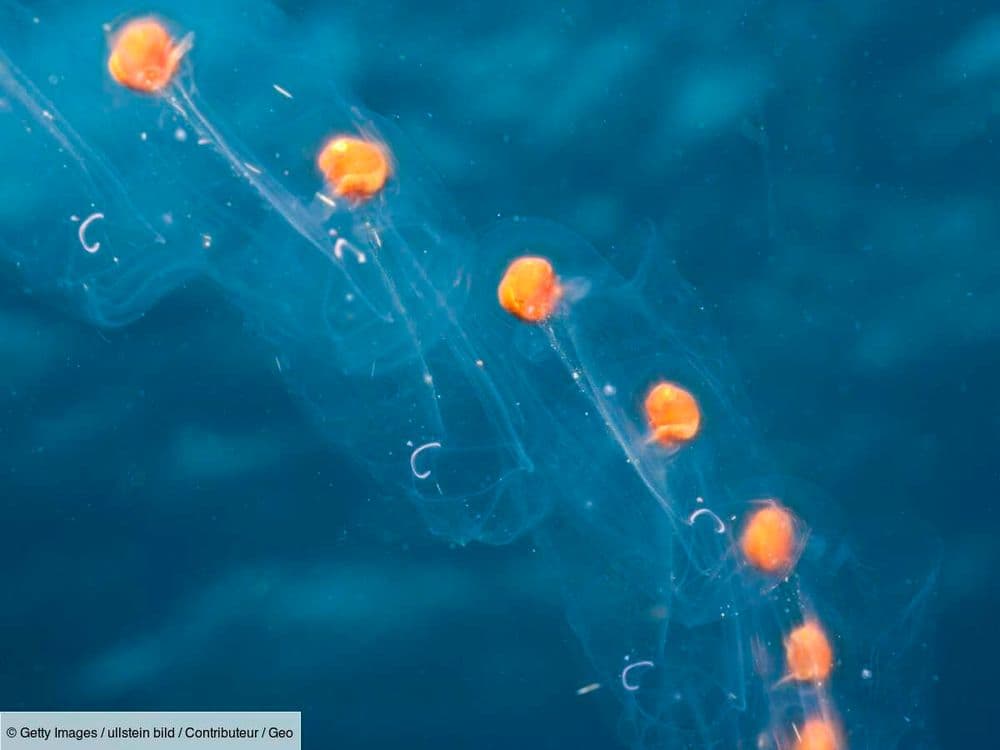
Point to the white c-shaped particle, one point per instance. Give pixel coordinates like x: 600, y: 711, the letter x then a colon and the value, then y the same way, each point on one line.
x: 82, y: 231
x: 720, y: 527
x: 338, y: 250
x: 637, y: 665
x: 413, y: 459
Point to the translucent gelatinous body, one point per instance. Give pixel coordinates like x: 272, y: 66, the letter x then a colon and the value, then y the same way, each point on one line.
x: 355, y: 299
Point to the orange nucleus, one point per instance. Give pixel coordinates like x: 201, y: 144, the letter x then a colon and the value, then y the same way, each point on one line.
x: 672, y: 413
x: 354, y: 168
x: 808, y: 653
x: 818, y: 734
x: 530, y: 289
x: 144, y: 56
x: 768, y: 540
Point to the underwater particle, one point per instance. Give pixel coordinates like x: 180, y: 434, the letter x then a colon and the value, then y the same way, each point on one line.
x: 353, y: 167
x: 817, y: 734
x: 720, y: 526
x: 144, y: 56
x: 672, y: 413
x: 413, y: 459
x: 626, y: 683
x: 768, y: 540
x: 529, y: 289
x: 90, y: 247
x: 808, y: 653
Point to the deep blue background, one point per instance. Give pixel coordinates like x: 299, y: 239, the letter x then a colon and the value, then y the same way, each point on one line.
x: 174, y: 533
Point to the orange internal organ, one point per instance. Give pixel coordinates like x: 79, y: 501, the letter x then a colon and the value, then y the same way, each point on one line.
x: 672, y: 413
x: 354, y: 167
x: 768, y: 540
x: 818, y: 734
x: 808, y: 653
x: 530, y: 289
x: 144, y: 56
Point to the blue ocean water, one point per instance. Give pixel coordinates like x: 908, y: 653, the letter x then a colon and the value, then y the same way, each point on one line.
x: 180, y: 534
